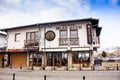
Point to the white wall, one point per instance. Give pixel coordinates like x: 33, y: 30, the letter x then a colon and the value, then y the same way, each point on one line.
x: 3, y: 40
x: 11, y: 37
x: 82, y: 35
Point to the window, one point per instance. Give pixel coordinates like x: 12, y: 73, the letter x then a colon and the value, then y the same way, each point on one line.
x: 80, y: 57
x: 28, y: 36
x: 73, y: 33
x: 17, y: 37
x: 32, y: 39
x: 63, y: 37
x: 35, y: 59
x: 74, y: 37
x: 63, y: 34
x: 31, y: 36
x: 64, y: 59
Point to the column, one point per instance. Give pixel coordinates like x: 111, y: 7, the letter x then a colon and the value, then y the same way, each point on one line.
x: 44, y: 60
x: 91, y: 58
x: 28, y: 59
x: 60, y: 59
x: 69, y: 59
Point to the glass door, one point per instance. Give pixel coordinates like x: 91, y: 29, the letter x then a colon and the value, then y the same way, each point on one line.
x: 64, y: 59
x: 49, y: 59
x: 57, y: 59
x: 35, y: 59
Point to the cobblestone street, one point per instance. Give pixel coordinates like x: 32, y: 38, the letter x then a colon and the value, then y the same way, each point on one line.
x: 7, y: 74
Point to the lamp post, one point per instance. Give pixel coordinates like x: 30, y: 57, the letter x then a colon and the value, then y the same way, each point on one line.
x: 44, y: 49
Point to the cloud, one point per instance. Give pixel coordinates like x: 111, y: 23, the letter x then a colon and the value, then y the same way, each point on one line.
x: 113, y: 2
x: 20, y: 12
x: 16, y: 2
x: 78, y: 7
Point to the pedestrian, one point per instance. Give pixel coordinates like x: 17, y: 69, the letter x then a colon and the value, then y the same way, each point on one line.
x: 3, y: 62
x: 117, y: 67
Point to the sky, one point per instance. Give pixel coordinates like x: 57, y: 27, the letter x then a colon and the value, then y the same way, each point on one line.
x: 15, y: 13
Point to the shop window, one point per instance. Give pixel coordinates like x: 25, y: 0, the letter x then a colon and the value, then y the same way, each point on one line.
x: 49, y: 59
x: 64, y: 59
x: 80, y: 57
x: 30, y: 59
x: 35, y: 59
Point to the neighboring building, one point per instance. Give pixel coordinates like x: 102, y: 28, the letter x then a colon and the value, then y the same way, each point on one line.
x: 63, y: 43
x: 3, y: 42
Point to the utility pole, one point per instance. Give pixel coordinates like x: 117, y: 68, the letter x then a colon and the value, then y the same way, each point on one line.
x: 44, y: 49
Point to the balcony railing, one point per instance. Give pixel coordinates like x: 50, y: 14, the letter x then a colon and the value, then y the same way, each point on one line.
x: 68, y: 41
x: 74, y: 41
x: 28, y: 43
x: 63, y: 41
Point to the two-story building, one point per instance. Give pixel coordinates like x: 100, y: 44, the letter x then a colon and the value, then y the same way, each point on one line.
x: 54, y: 44
x: 3, y: 42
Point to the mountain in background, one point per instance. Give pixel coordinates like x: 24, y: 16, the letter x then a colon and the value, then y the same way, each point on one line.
x: 111, y: 52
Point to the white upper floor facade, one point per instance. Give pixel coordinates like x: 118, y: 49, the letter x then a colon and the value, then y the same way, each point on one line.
x: 3, y: 40
x: 71, y: 35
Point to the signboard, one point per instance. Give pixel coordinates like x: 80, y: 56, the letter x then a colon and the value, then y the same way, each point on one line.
x: 70, y: 27
x: 89, y: 34
x: 32, y: 48
x: 15, y: 50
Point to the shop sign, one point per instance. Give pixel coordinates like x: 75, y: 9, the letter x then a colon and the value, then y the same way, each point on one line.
x: 32, y: 48
x: 15, y: 50
x: 70, y: 27
x: 89, y: 34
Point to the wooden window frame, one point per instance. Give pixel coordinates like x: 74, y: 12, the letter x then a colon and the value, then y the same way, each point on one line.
x: 80, y: 62
x: 63, y: 38
x: 35, y: 36
x: 73, y: 37
x: 66, y: 33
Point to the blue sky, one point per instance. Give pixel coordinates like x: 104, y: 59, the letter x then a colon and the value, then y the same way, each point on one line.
x: 23, y: 12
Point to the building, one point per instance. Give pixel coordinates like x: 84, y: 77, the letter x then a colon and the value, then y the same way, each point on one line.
x: 3, y: 42
x: 54, y: 44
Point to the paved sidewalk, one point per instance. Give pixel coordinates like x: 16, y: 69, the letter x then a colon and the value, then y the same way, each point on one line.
x: 7, y: 74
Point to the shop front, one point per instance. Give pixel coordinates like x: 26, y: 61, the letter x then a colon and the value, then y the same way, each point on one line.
x: 17, y: 57
x: 81, y: 58
x: 69, y: 59
x: 35, y: 58
x: 56, y: 59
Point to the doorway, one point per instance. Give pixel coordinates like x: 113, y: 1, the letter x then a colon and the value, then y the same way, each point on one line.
x: 35, y: 59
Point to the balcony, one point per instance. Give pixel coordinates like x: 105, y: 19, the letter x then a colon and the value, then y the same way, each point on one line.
x: 74, y: 41
x: 63, y: 41
x: 31, y: 44
x: 68, y: 41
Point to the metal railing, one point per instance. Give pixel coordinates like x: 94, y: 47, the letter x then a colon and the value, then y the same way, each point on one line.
x: 28, y: 43
x: 68, y: 41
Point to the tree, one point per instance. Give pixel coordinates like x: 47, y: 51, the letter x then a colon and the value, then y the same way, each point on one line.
x: 104, y: 54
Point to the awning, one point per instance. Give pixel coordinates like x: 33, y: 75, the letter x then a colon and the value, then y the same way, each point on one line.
x: 15, y: 50
x: 98, y: 30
